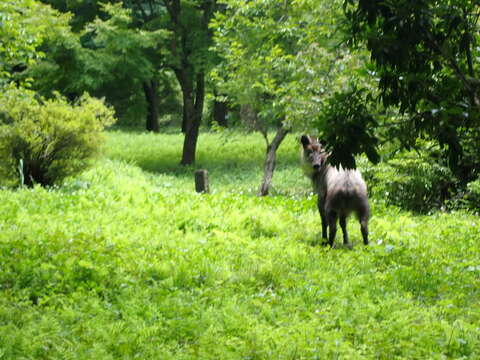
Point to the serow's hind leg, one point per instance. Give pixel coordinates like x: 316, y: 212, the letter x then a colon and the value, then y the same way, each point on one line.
x: 364, y: 229
x: 363, y: 216
x: 343, y: 225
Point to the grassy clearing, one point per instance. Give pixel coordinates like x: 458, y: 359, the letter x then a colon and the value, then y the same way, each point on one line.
x: 234, y: 160
x: 126, y: 261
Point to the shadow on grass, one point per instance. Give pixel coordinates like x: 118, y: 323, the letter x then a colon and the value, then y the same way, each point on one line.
x: 138, y: 130
x: 161, y: 153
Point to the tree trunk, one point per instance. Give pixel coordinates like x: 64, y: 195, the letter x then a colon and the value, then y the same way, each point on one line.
x: 271, y: 160
x: 150, y: 88
x: 188, y: 104
x: 220, y: 111
x: 190, y: 144
x: 187, y: 73
x: 193, y: 122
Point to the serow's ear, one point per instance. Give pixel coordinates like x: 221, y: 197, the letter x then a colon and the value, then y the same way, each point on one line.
x: 305, y: 140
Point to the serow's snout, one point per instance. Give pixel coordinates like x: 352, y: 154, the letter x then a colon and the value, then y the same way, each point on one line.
x: 316, y: 167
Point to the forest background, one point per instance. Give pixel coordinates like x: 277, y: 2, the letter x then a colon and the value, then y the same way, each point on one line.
x: 108, y: 107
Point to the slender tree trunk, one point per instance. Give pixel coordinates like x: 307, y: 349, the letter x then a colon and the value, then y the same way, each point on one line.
x: 193, y: 100
x: 150, y: 88
x: 188, y: 103
x: 190, y: 144
x: 271, y: 160
x: 193, y: 123
x: 220, y: 111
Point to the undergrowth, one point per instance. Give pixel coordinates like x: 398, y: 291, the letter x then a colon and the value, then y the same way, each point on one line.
x: 126, y: 261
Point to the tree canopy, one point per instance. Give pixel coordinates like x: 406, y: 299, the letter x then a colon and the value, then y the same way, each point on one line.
x: 425, y: 56
x: 281, y: 58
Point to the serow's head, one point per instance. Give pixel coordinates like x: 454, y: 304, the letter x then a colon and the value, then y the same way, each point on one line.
x: 314, y: 154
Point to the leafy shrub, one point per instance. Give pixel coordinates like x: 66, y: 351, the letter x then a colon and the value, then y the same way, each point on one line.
x: 474, y: 192
x: 467, y: 197
x: 411, y: 180
x: 420, y: 181
x: 44, y: 141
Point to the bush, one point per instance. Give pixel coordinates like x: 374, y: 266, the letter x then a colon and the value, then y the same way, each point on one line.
x: 411, y: 180
x: 473, y: 195
x: 420, y: 181
x: 44, y: 141
x: 467, y: 197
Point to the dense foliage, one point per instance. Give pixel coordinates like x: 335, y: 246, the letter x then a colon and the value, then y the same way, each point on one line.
x: 23, y: 26
x: 44, y: 141
x: 425, y: 55
x: 278, y: 64
x: 349, y: 127
x: 411, y: 181
x: 113, y: 265
x: 109, y: 58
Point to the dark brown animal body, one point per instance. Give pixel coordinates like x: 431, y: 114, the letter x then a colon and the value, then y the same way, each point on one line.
x: 340, y: 192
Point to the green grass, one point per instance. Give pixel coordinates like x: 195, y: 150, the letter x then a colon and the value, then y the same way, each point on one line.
x: 234, y: 160
x: 126, y: 261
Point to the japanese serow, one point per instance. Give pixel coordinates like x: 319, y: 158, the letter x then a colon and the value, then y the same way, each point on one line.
x: 340, y: 192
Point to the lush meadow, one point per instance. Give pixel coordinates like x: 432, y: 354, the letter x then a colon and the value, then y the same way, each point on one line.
x: 126, y: 261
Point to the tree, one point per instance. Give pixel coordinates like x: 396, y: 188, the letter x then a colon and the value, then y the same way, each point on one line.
x: 191, y: 59
x: 186, y: 51
x: 189, y: 56
x: 281, y: 60
x: 425, y: 56
x: 109, y: 56
x: 132, y: 54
